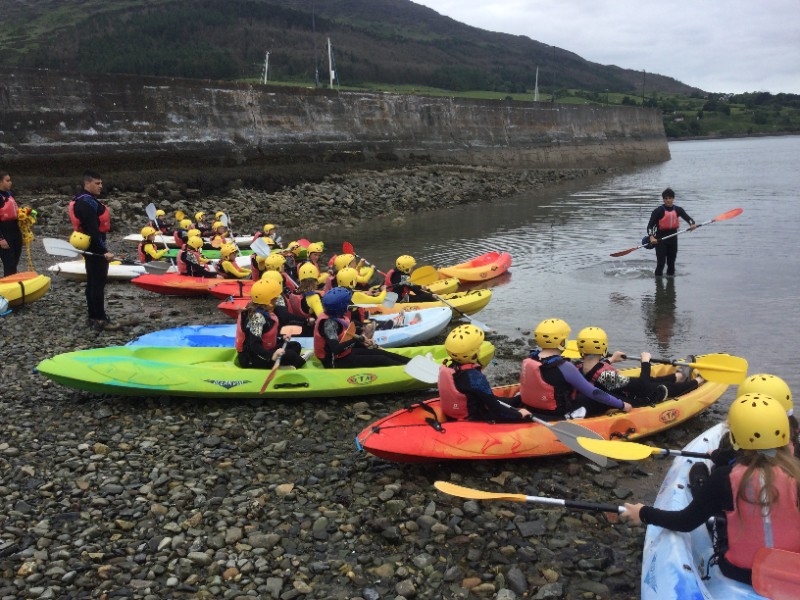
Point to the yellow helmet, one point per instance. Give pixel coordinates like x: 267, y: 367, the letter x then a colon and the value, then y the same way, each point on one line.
x: 219, y: 214
x: 463, y: 343
x: 347, y: 277
x: 592, y: 340
x: 147, y: 232
x: 274, y: 262
x: 160, y: 213
x: 180, y: 215
x: 199, y: 216
x: 405, y: 263
x: 228, y: 250
x: 273, y: 276
x: 195, y: 242
x: 318, y: 247
x: 269, y: 241
x: 194, y: 232
x: 185, y: 224
x: 217, y: 226
x: 758, y: 422
x: 307, y: 271
x: 268, y: 227
x: 771, y: 385
x: 342, y: 261
x: 264, y: 291
x: 552, y: 333
x: 80, y: 240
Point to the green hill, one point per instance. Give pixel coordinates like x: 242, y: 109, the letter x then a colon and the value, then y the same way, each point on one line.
x: 393, y: 42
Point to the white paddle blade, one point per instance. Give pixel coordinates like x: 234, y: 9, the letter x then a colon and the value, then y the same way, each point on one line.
x: 150, y: 209
x: 156, y: 268
x: 260, y: 247
x: 58, y: 247
x: 423, y: 368
x: 390, y: 299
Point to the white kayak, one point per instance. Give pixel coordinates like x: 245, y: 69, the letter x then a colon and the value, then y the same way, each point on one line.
x: 674, y: 563
x: 418, y: 326
x: 243, y: 241
x: 117, y: 271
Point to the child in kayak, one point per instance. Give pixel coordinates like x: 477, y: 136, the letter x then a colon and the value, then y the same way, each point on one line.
x: 552, y: 386
x: 463, y: 388
x: 191, y: 262
x: 147, y: 247
x: 597, y: 368
x: 258, y: 341
x: 758, y: 492
x: 228, y: 266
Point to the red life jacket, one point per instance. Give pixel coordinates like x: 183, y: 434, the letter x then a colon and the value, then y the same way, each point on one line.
x: 10, y: 210
x: 454, y: 403
x: 594, y: 373
x: 669, y: 220
x: 294, y: 304
x: 749, y: 530
x: 103, y: 215
x: 319, y: 340
x: 143, y: 255
x: 288, y: 282
x: 538, y: 393
x: 401, y: 290
x: 269, y: 339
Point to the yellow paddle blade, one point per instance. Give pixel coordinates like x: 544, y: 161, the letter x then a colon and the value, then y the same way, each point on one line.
x: 473, y: 494
x: 424, y: 275
x: 721, y: 368
x: 617, y: 449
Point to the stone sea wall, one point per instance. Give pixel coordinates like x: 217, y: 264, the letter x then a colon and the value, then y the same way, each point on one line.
x: 57, y: 123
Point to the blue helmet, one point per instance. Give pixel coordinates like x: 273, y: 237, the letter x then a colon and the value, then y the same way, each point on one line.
x: 336, y: 300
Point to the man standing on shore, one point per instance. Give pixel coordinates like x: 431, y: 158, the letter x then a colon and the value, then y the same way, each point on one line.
x: 10, y: 233
x: 92, y: 218
x: 663, y: 223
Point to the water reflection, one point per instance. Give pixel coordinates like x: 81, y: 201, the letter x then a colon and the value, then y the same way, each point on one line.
x: 659, y: 314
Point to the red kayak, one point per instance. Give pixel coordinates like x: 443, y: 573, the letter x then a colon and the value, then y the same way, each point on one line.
x: 483, y: 267
x: 232, y: 306
x: 228, y: 288
x: 172, y: 284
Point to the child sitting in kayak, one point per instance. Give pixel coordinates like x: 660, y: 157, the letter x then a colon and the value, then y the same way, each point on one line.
x: 228, y: 266
x: 147, y: 247
x: 258, y: 341
x: 305, y: 302
x: 336, y: 343
x: 597, y: 368
x: 463, y: 388
x: 219, y: 235
x: 398, y: 280
x: 758, y: 492
x: 549, y: 382
x: 191, y: 262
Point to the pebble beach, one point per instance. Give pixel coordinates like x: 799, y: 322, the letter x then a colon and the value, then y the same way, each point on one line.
x: 157, y: 497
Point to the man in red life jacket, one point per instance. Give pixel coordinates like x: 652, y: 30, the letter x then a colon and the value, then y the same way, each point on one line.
x: 90, y: 217
x: 10, y: 233
x: 664, y: 222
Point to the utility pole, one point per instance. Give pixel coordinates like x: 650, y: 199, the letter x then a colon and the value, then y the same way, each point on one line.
x: 643, y: 75
x: 266, y: 67
x: 314, y: 35
x: 553, y: 99
x: 330, y: 64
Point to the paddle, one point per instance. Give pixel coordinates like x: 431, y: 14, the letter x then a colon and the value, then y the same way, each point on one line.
x: 622, y: 450
x: 347, y: 248
x: 723, y: 217
x: 424, y: 275
x: 150, y: 209
x: 478, y: 324
x: 473, y: 494
x: 58, y: 247
x: 719, y: 368
x: 262, y: 249
x: 287, y: 331
x: 776, y: 574
x: 426, y: 369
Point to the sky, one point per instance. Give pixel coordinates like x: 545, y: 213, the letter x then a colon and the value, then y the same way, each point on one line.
x: 727, y: 46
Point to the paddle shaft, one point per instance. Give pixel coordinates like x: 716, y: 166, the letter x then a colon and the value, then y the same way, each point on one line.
x: 728, y: 215
x: 348, y: 248
x: 719, y: 368
x: 472, y: 494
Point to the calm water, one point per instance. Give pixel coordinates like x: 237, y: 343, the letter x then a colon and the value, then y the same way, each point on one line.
x: 736, y: 287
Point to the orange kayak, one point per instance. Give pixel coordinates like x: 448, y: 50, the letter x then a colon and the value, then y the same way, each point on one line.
x: 483, y: 267
x: 410, y: 434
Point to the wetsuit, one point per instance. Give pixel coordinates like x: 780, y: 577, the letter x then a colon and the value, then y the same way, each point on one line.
x: 88, y: 210
x: 482, y: 404
x: 341, y: 353
x: 637, y: 391
x: 258, y: 339
x: 664, y: 222
x: 11, y: 233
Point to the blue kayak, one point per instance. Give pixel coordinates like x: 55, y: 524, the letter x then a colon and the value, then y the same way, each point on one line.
x: 413, y: 327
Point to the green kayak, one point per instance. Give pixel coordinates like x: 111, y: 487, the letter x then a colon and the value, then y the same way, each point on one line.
x: 214, y: 373
x: 209, y: 254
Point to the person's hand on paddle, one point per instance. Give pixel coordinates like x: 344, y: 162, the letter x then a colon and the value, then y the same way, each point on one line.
x: 631, y: 513
x: 692, y: 227
x: 618, y: 356
x: 109, y: 256
x: 278, y: 353
x: 653, y: 240
x: 646, y: 356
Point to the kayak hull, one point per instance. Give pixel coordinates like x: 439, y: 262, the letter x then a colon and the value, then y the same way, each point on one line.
x: 213, y: 373
x: 481, y: 268
x: 408, y: 435
x: 243, y: 241
x: 432, y: 322
x: 24, y: 287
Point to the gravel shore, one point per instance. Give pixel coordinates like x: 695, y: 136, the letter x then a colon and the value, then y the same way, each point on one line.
x: 152, y: 498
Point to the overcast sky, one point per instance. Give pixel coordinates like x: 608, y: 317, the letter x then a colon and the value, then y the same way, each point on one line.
x: 715, y: 45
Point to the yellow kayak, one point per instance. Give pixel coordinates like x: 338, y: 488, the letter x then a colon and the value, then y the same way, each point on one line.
x: 467, y: 302
x: 24, y: 288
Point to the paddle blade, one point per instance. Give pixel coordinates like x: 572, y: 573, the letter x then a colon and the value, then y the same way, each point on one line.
x: 624, y: 252
x: 260, y: 247
x: 728, y: 215
x: 472, y: 494
x: 348, y: 248
x: 58, y: 247
x: 150, y: 209
x: 156, y: 268
x: 568, y: 432
x: 776, y: 574
x: 720, y: 368
x: 424, y: 275
x: 390, y: 299
x: 423, y: 368
x: 616, y: 449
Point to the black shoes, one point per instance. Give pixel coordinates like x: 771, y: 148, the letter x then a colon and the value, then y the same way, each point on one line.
x: 103, y: 325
